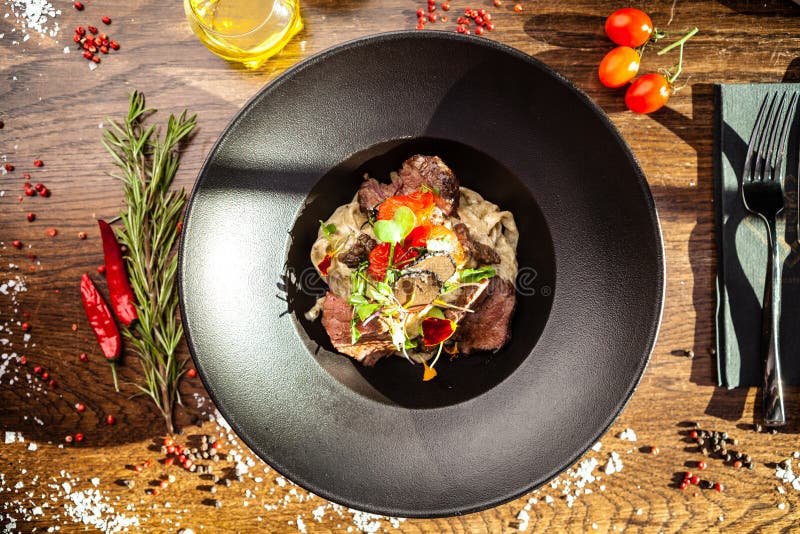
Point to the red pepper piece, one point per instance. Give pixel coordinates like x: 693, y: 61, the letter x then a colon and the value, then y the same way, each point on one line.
x: 418, y: 237
x: 420, y: 202
x: 100, y: 319
x: 325, y: 264
x: 119, y: 288
x: 379, y: 257
x: 378, y: 261
x: 435, y: 330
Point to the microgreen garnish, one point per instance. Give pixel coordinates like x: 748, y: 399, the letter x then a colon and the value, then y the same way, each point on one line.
x: 354, y: 333
x: 327, y: 229
x: 436, y: 312
x: 476, y: 275
x: 396, y: 229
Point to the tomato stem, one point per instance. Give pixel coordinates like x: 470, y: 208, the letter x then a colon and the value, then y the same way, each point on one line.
x: 678, y: 43
x: 679, y: 68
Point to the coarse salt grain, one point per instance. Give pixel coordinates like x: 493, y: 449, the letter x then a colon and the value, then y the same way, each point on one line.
x: 627, y: 435
x: 319, y: 513
x: 37, y: 15
x: 614, y: 464
x: 523, y: 519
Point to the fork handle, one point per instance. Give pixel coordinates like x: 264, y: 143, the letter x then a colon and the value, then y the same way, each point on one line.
x: 774, y: 414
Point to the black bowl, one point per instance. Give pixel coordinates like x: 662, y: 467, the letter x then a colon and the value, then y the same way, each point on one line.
x: 491, y: 426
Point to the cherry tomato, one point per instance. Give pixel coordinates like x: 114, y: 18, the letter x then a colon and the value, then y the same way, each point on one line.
x: 619, y: 66
x: 421, y: 203
x: 629, y: 27
x: 418, y: 237
x: 378, y: 261
x: 648, y: 93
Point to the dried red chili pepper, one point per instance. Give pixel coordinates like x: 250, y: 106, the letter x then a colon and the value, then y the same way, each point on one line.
x: 122, y: 299
x: 102, y: 322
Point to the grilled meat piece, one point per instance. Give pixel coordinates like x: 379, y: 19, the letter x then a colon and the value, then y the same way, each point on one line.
x: 416, y: 171
x: 359, y: 252
x: 468, y: 298
x: 374, y: 343
x: 432, y: 172
x: 489, y: 327
x: 483, y: 254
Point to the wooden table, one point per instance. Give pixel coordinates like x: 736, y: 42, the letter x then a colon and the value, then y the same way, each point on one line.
x: 53, y: 107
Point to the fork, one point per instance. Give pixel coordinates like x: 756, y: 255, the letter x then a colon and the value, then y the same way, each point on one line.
x: 762, y: 194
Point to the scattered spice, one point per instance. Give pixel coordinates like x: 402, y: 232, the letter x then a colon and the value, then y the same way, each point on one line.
x: 81, y: 235
x: 82, y: 357
x: 38, y: 163
x: 191, y: 373
x: 31, y: 217
x: 52, y: 232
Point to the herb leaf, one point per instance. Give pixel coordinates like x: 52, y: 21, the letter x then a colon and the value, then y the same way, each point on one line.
x: 405, y: 218
x: 150, y: 230
x: 354, y: 333
x: 436, y: 312
x: 395, y: 230
x: 365, y: 310
x: 327, y: 229
x: 476, y: 275
x: 388, y: 231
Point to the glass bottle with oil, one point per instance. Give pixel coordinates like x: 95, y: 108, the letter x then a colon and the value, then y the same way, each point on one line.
x: 245, y: 31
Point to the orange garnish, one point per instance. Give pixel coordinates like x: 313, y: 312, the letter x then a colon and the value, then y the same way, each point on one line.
x: 428, y: 373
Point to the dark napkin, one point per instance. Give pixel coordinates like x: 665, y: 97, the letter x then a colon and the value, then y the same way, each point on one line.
x: 742, y: 242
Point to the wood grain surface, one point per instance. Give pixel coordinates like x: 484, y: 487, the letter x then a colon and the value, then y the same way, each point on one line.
x: 53, y: 108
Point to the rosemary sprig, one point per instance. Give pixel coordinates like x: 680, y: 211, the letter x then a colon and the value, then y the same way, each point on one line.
x: 150, y: 232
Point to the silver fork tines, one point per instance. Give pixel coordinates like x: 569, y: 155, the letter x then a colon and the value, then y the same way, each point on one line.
x: 762, y: 194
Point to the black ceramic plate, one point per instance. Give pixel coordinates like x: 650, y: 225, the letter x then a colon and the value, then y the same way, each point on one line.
x: 490, y: 427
